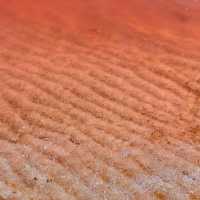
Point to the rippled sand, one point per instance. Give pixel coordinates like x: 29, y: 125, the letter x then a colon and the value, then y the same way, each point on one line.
x: 99, y: 100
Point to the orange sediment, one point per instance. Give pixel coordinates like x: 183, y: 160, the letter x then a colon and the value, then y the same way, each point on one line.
x: 99, y: 100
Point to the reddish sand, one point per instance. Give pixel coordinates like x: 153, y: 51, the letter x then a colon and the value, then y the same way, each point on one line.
x: 99, y: 99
